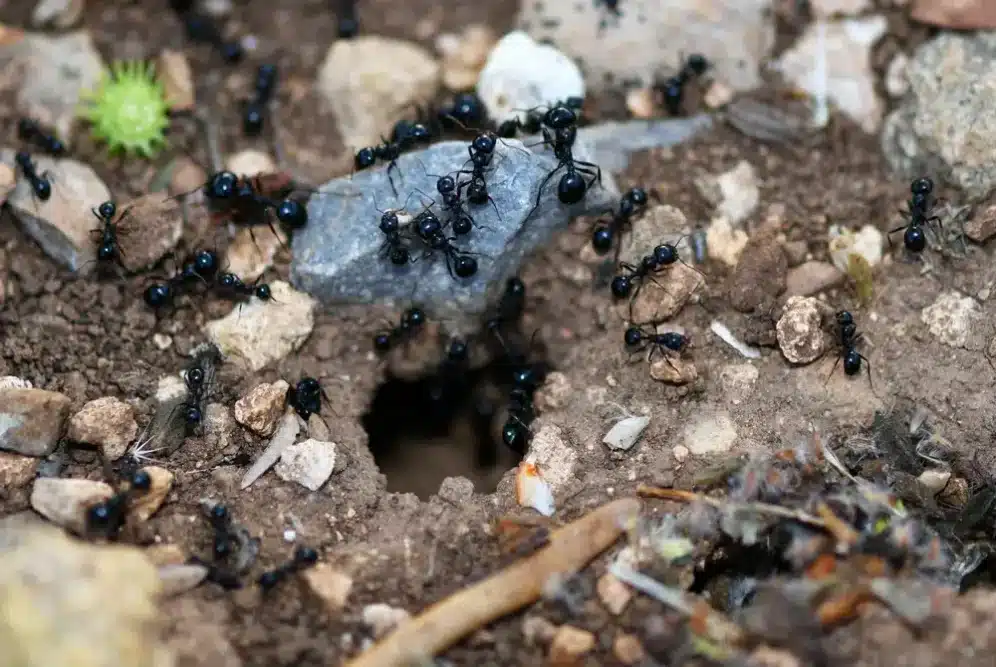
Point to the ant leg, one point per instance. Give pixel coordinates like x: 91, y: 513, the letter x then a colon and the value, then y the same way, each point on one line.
x: 837, y: 361
x: 539, y: 193
x: 868, y: 363
x: 635, y: 352
x: 392, y: 164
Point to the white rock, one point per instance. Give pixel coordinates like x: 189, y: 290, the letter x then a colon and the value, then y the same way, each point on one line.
x: 522, y: 74
x: 867, y: 242
x: 287, y: 431
x: 259, y: 333
x: 250, y: 163
x: 724, y: 334
x: 382, y: 618
x: 934, y: 480
x: 800, y: 335
x: 61, y: 225
x: 651, y: 38
x: 532, y: 490
x: 626, y: 432
x: 14, y: 382
x: 735, y: 193
x: 57, y: 71
x: 950, y: 318
x: 896, y: 83
x: 724, y: 243
x: 370, y: 82
x: 309, y: 463
x: 65, y: 501
x: 548, y: 450
x: 710, y: 432
x: 832, y: 60
x: 680, y: 453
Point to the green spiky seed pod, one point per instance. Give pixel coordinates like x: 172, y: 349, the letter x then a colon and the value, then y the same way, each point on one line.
x: 128, y: 109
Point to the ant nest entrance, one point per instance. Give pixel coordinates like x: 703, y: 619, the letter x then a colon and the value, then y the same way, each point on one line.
x: 424, y: 430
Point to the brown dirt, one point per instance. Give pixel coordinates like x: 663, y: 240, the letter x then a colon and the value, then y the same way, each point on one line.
x: 91, y: 339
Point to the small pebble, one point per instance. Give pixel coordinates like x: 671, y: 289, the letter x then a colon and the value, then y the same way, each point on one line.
x: 531, y: 490
x: 725, y: 243
x: 64, y: 502
x: 173, y: 70
x: 570, y: 645
x: 382, y: 618
x: 950, y: 318
x: 673, y: 370
x: 108, y: 423
x: 800, y: 334
x: 551, y: 455
x: 759, y: 275
x: 309, y: 463
x: 31, y: 420
x: 735, y: 194
x: 718, y: 95
x: 554, y: 393
x: 333, y: 586
x: 680, y: 453
x: 177, y: 579
x: 934, y: 480
x: 624, y: 434
x: 710, y: 432
x: 640, y: 103
x: 16, y: 471
x: 614, y: 594
x: 250, y: 162
x: 867, y: 242
x: 262, y: 407
x: 627, y: 649
x: 187, y: 177
x: 811, y: 278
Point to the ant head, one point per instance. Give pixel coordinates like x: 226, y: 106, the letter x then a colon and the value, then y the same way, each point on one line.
x: 921, y: 186
x: 305, y: 556
x: 26, y: 127
x: 626, y: 207
x: 382, y: 342
x: 218, y: 513
x: 263, y: 292
x: 697, y: 63
x: 484, y: 143
x: 621, y: 286
x: 292, y: 213
x: 389, y: 222
x: 515, y: 288
x: 428, y: 224
x: 413, y: 318
x: 560, y: 117
x: 458, y: 350
x: 601, y: 239
x: 229, y: 280
x: 221, y: 185
x: 665, y: 254
x: 98, y: 516
x: 308, y: 385
x: 445, y: 184
x: 157, y: 294
x: 633, y: 336
x: 515, y: 435
x: 141, y: 481
x: 195, y: 376
x: 464, y: 266
x: 206, y: 262
x: 364, y: 158
x: 571, y: 188
x: 23, y: 158
x: 467, y: 109
x: 638, y: 196
x: 107, y: 210
x: 844, y: 317
x: 419, y: 133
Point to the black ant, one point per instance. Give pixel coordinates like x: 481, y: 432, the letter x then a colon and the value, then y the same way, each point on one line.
x: 572, y: 186
x: 915, y: 238
x: 622, y: 284
x: 347, y: 25
x: 410, y: 324
x: 107, y: 517
x: 108, y: 250
x: 304, y: 557
x: 509, y: 308
x: 196, y: 379
x: 536, y: 119
x: 29, y: 130
x: 230, y: 284
x: 638, y: 339
x: 202, y: 28
x: 201, y: 267
x: 306, y: 397
x: 243, y: 199
x: 394, y: 246
x: 466, y: 110
x: 605, y: 232
x: 229, y: 540
x: 429, y: 229
x: 40, y: 185
x: 526, y: 379
x: 255, y: 108
x: 848, y: 337
x: 407, y: 135
x: 673, y: 88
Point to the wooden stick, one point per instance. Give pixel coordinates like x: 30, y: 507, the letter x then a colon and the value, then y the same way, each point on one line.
x: 445, y: 623
x: 680, y: 496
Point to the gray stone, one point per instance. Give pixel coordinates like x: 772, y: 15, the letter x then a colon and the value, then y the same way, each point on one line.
x: 337, y: 257
x: 614, y: 142
x: 31, y: 420
x: 944, y: 125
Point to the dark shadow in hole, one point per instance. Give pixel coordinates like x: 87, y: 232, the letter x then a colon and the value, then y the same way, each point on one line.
x: 422, y: 431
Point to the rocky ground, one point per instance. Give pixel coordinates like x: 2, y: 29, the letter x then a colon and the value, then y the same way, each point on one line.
x: 792, y: 158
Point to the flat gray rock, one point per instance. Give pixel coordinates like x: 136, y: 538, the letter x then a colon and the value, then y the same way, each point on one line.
x: 338, y: 256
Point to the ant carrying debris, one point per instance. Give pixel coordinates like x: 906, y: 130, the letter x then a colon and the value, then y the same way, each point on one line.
x: 638, y: 339
x: 919, y: 205
x: 304, y: 557
x: 672, y: 89
x: 253, y: 113
x: 201, y: 267
x: 202, y: 28
x: 394, y: 247
x: 560, y: 132
x: 306, y: 397
x: 30, y: 131
x: 406, y: 135
x: 605, y: 232
x: 245, y: 200
x: 233, y: 549
x: 848, y: 339
x: 535, y: 119
x: 410, y: 324
x: 40, y: 185
x: 198, y: 379
x: 106, y: 518
x: 108, y: 250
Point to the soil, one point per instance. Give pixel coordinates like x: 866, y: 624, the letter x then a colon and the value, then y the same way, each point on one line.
x: 90, y: 339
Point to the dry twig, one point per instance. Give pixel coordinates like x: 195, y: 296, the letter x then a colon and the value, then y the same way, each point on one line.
x: 571, y: 548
